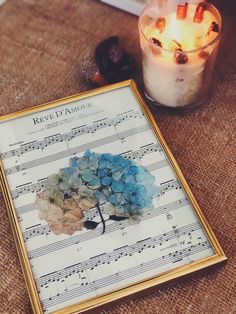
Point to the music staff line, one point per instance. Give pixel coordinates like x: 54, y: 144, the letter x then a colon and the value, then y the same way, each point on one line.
x: 89, y: 215
x: 37, y: 187
x: 116, y: 254
x: 79, y: 149
x: 75, y: 132
x: 39, y: 229
x: 52, y: 247
x: 125, y: 274
x: 158, y: 165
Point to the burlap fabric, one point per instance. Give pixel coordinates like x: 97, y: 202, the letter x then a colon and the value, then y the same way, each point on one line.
x: 41, y: 45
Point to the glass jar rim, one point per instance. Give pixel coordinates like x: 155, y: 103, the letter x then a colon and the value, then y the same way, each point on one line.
x: 211, y: 43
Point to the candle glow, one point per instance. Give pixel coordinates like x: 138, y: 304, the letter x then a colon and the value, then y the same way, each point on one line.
x: 174, y: 56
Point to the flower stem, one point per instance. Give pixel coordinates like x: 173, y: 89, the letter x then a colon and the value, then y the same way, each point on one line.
x: 102, y: 219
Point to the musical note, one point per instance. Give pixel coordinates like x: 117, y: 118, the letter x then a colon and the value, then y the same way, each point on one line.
x: 127, y: 155
x: 106, y: 258
x: 89, y: 215
x: 125, y: 274
x: 29, y: 147
x: 169, y: 216
x: 176, y: 231
x: 74, y: 268
x: 36, y: 187
x: 169, y: 185
x: 75, y: 150
x: 52, y: 139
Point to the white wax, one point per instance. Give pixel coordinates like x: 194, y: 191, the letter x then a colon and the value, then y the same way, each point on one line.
x: 167, y: 82
x: 170, y: 84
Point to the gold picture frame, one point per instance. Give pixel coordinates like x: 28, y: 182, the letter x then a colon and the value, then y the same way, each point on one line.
x: 7, y: 179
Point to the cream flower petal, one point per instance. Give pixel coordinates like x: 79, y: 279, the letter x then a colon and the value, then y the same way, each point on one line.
x: 69, y: 218
x: 109, y: 208
x: 70, y: 204
x: 56, y: 228
x: 55, y: 215
x: 69, y: 229
x: 47, y: 194
x: 43, y: 204
x: 53, y: 179
x: 77, y: 213
x: 75, y: 196
x: 42, y: 215
x: 79, y: 225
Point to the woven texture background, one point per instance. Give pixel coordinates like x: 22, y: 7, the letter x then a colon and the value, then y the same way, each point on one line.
x: 41, y: 45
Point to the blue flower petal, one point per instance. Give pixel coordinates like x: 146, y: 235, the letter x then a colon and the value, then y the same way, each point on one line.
x: 82, y: 164
x: 95, y: 181
x: 113, y: 199
x: 107, y: 157
x: 129, y: 187
x: 106, y: 181
x: 117, y: 186
x: 130, y: 179
x: 73, y: 162
x: 87, y: 175
x: 134, y: 170
x: 107, y: 193
x: 117, y: 175
x: 87, y: 153
x: 117, y: 160
x: 101, y: 197
x: 102, y: 164
x: 101, y: 173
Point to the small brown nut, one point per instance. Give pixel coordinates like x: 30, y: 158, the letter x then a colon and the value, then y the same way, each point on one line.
x: 180, y: 57
x: 214, y: 27
x: 155, y: 45
x: 161, y: 24
x: 203, y: 54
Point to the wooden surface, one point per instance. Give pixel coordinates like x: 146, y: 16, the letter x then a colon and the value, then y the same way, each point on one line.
x: 41, y: 45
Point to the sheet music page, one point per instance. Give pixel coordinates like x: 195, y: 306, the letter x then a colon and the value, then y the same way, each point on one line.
x: 72, y: 268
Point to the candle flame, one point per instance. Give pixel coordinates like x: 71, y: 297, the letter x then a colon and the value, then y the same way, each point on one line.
x: 174, y: 29
x: 179, y: 35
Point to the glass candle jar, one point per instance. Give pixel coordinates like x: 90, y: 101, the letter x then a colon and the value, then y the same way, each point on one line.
x: 179, y: 43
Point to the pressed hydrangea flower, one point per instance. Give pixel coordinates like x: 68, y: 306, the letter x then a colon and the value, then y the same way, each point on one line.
x: 48, y: 210
x: 87, y: 202
x: 74, y: 181
x: 125, y: 188
x: 66, y: 220
x: 53, y: 179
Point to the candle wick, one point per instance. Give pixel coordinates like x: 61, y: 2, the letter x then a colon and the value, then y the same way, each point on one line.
x: 177, y: 43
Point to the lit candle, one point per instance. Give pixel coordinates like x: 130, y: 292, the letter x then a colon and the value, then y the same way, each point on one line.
x: 179, y: 44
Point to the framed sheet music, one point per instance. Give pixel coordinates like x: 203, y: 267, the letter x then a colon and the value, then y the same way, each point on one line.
x: 99, y: 208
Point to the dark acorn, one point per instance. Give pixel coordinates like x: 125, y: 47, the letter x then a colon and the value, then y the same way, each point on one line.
x: 113, y: 62
x: 180, y: 57
x: 91, y: 73
x: 116, y: 53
